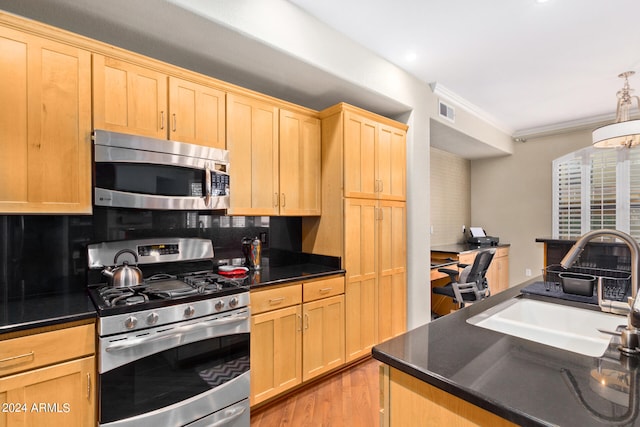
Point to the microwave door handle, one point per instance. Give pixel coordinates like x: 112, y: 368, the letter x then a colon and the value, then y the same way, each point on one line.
x: 207, y: 186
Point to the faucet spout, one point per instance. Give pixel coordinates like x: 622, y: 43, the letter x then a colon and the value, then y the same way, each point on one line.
x: 631, y: 335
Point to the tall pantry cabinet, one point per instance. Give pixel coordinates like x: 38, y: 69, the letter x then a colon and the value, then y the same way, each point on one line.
x: 364, y: 221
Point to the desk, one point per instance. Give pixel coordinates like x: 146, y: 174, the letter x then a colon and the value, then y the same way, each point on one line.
x: 439, y: 303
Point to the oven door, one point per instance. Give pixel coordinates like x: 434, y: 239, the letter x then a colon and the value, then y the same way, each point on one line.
x: 176, y: 374
x: 144, y: 173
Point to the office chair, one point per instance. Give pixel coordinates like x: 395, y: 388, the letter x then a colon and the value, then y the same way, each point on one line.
x: 470, y: 284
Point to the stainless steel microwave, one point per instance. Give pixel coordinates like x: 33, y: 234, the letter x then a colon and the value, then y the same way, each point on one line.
x: 146, y: 173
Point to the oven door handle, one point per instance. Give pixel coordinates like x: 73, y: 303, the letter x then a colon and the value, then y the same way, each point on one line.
x: 177, y: 332
x: 232, y: 413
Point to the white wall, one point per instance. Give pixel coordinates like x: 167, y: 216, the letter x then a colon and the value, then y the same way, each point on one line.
x: 274, y: 47
x: 511, y: 197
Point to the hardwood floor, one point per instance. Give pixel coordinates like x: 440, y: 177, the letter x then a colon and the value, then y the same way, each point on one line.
x: 347, y: 399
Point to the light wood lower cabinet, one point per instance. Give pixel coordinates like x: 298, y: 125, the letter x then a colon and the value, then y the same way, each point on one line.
x: 292, y: 341
x: 60, y: 395
x: 375, y: 260
x: 276, y: 356
x: 49, y: 378
x: 323, y: 327
x: 408, y: 401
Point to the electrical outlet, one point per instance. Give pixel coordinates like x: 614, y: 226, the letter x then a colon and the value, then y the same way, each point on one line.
x: 527, y: 272
x: 432, y: 229
x: 464, y: 228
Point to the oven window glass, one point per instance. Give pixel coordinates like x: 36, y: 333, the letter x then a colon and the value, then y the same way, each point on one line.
x: 171, y: 376
x: 158, y: 180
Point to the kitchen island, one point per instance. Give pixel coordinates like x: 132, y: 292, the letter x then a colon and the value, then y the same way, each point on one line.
x: 449, y: 371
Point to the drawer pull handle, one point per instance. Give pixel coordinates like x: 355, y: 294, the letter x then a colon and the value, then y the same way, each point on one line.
x: 22, y: 356
x: 88, y: 386
x: 325, y: 290
x: 273, y: 301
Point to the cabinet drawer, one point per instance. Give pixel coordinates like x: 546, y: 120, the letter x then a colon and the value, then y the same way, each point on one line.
x: 271, y: 299
x: 46, y: 348
x: 323, y: 288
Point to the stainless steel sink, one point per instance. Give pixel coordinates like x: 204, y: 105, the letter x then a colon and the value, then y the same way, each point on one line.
x: 569, y: 328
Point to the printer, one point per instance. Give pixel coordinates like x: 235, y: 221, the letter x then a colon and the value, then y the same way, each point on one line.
x: 478, y: 237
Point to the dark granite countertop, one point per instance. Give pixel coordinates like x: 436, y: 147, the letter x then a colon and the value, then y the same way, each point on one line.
x: 520, y: 380
x: 45, y: 310
x: 270, y: 276
x: 459, y: 248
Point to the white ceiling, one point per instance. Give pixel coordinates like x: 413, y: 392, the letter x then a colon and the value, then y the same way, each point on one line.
x: 526, y: 66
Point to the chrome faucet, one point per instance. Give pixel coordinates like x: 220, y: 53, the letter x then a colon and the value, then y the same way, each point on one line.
x: 630, y: 336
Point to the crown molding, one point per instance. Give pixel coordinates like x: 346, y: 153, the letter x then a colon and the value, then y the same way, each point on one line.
x: 442, y: 92
x: 564, y: 127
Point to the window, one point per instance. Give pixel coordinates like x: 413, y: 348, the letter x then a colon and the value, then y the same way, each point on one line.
x: 595, y: 189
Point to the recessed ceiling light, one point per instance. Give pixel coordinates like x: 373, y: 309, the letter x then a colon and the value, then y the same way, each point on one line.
x: 411, y: 56
x: 541, y: 1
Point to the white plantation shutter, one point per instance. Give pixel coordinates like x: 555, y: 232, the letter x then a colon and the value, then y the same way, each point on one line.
x: 634, y: 194
x: 602, y: 189
x: 568, y: 197
x: 595, y: 189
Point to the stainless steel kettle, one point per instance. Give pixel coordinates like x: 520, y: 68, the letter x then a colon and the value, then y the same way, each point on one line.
x: 123, y: 275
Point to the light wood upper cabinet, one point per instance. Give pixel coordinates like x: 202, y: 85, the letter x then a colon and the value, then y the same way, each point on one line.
x: 360, y: 135
x: 374, y: 158
x: 133, y: 99
x: 45, y: 126
x: 275, y: 159
x: 129, y: 98
x: 252, y: 141
x: 196, y: 113
x: 392, y: 161
x: 300, y: 179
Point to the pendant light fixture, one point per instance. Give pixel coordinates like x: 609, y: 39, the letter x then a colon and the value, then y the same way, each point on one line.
x: 624, y: 132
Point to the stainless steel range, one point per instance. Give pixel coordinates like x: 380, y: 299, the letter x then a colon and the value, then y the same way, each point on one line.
x: 173, y: 346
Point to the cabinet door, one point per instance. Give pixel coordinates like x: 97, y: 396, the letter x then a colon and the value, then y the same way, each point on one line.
x: 129, y: 98
x: 360, y: 136
x: 392, y: 275
x: 252, y: 141
x: 45, y: 126
x: 391, y: 158
x: 498, y: 273
x: 361, y: 277
x: 300, y: 180
x: 323, y: 336
x: 276, y: 352
x: 59, y: 395
x: 196, y: 113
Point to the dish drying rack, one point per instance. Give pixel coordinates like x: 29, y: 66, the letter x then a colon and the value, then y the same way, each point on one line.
x: 616, y: 284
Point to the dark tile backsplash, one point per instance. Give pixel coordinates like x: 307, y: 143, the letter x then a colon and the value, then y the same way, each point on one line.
x: 45, y: 254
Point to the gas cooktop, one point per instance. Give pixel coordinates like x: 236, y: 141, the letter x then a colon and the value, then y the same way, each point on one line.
x: 165, y: 291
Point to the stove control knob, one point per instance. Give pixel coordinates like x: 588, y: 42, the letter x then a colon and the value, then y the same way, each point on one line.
x: 131, y: 322
x: 152, y: 319
x: 233, y: 303
x: 189, y: 311
x: 219, y: 305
